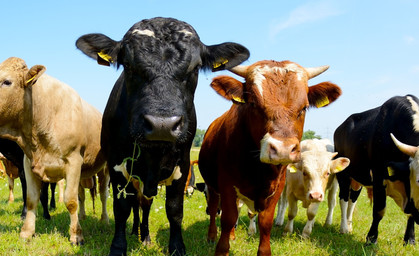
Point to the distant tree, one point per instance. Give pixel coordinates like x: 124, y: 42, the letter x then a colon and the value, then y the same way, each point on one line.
x: 199, y: 136
x: 307, y: 135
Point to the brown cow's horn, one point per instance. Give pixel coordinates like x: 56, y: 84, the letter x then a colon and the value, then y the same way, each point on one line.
x: 313, y: 72
x: 240, y: 70
x: 404, y: 148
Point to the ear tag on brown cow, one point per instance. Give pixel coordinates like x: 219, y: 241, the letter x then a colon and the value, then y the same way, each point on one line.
x: 322, y: 102
x: 104, y: 59
x: 237, y: 99
x: 292, y: 169
x: 390, y: 171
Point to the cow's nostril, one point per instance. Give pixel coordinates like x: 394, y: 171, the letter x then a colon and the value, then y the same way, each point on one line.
x: 162, y: 128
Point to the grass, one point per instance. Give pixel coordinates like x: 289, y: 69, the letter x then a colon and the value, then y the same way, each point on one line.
x: 52, y: 236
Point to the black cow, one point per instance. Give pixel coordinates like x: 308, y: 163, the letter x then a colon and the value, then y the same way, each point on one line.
x: 365, y: 139
x: 151, y: 107
x: 14, y: 154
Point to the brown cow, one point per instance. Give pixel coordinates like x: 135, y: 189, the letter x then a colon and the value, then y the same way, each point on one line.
x: 57, y: 130
x: 245, y: 151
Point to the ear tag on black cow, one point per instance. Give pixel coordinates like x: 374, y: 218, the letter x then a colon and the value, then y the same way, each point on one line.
x: 104, y: 59
x: 322, y: 102
x: 390, y: 171
x: 238, y: 100
x: 219, y: 65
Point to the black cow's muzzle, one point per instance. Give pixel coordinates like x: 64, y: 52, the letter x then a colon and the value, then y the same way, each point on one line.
x: 158, y: 128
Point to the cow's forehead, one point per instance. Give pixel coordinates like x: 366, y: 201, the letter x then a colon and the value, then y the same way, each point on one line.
x: 262, y: 70
x: 13, y: 64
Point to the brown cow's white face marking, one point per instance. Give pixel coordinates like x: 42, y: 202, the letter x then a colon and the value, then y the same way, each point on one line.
x: 415, y: 116
x: 145, y: 32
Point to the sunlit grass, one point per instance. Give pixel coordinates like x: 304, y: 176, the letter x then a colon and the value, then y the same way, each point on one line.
x: 52, y: 237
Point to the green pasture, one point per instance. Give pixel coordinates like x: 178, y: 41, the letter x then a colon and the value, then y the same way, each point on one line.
x: 52, y: 236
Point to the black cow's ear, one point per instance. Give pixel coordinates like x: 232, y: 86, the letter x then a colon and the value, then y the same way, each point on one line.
x: 99, y: 47
x: 225, y: 56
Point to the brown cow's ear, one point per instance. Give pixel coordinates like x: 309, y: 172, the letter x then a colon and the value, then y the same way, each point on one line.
x: 229, y: 88
x: 33, y: 74
x: 323, y: 94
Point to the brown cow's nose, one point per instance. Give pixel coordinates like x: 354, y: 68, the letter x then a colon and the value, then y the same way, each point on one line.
x: 162, y: 128
x: 280, y: 151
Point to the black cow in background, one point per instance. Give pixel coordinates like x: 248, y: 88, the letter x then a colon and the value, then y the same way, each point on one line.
x: 365, y: 139
x: 14, y: 154
x: 151, y: 110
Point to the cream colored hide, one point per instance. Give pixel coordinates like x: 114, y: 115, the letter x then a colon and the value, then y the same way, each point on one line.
x: 413, y: 152
x: 58, y: 131
x: 309, y: 179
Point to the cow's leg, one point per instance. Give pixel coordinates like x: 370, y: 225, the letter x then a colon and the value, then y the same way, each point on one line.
x: 378, y: 210
x: 331, y: 202
x: 252, y: 224
x: 174, y: 210
x: 82, y: 199
x: 71, y: 199
x: 409, y: 235
x: 311, y: 214
x: 344, y: 187
x: 265, y: 221
x: 33, y: 194
x: 136, y: 217
x: 11, y: 182
x: 52, y: 204
x: 145, y: 205
x: 292, y: 212
x: 104, y: 192
x: 61, y: 190
x: 354, y: 194
x: 213, y: 203
x: 229, y: 217
x: 44, y: 200
x: 24, y: 192
x: 282, y: 206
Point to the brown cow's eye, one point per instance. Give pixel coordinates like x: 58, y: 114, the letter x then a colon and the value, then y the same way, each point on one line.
x: 6, y: 83
x: 302, y: 111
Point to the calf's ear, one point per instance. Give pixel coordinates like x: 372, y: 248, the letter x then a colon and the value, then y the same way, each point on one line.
x: 99, y: 47
x: 33, y: 74
x: 323, y: 94
x: 229, y: 88
x: 224, y: 56
x: 339, y: 164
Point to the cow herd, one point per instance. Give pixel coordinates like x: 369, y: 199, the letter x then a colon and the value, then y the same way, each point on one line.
x: 251, y: 153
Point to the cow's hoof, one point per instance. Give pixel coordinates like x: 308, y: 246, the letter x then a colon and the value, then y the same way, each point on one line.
x: 78, y: 240
x: 409, y: 242
x: 26, y: 235
x: 371, y: 241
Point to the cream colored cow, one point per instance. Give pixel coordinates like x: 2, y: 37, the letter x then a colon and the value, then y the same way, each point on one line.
x: 308, y: 180
x: 57, y: 130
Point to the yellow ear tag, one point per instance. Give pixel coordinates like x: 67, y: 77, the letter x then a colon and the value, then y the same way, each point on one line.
x: 105, y: 57
x: 218, y: 64
x: 292, y: 169
x: 390, y: 171
x: 30, y: 79
x: 238, y: 99
x: 323, y: 102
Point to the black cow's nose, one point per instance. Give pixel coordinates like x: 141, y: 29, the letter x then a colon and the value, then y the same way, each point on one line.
x: 162, y: 128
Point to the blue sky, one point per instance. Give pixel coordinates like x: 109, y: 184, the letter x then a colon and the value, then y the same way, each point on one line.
x: 372, y: 47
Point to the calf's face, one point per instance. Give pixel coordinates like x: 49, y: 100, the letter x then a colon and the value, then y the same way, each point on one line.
x: 274, y: 100
x: 316, y: 168
x: 161, y: 60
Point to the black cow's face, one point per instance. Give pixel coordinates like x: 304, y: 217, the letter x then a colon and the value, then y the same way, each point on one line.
x: 161, y: 59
